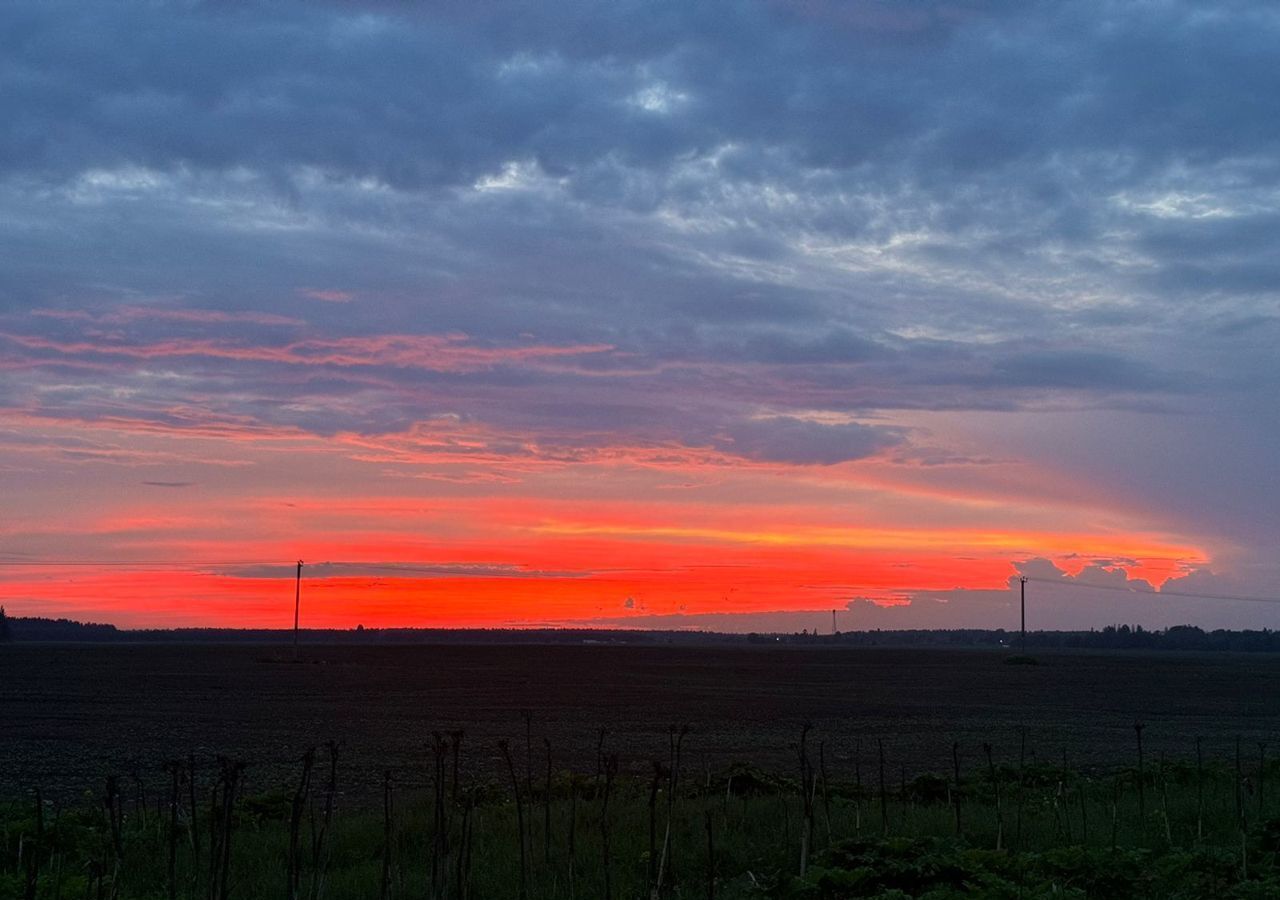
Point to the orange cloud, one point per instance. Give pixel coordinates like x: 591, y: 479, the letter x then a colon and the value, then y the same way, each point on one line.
x: 441, y: 353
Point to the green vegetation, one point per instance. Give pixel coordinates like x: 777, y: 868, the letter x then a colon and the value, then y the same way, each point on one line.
x: 1168, y: 830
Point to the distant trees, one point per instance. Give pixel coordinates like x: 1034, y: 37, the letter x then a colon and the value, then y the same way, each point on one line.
x: 19, y: 628
x: 1112, y: 637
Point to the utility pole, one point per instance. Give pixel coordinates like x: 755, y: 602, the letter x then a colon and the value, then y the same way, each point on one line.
x: 1022, y: 586
x: 297, y: 604
x: 834, y: 629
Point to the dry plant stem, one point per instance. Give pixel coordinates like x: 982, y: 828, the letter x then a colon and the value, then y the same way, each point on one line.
x: 192, y: 823
x: 671, y: 796
x: 463, y: 858
x: 233, y: 783
x: 1199, y: 790
x: 1164, y: 803
x: 995, y: 785
x: 39, y: 834
x: 857, y: 782
x: 955, y: 784
x: 528, y: 774
x: 826, y: 798
x: 1242, y: 824
x: 1262, y: 778
x: 675, y: 743
x: 319, y: 843
x: 171, y: 869
x: 806, y: 798
x: 294, y: 860
x: 600, y: 752
x: 572, y: 848
x: 1084, y: 815
x: 610, y: 770
x: 505, y: 747
x: 440, y: 817
x: 388, y: 842
x: 786, y: 818
x: 546, y: 808
x: 139, y: 797
x: 1022, y: 785
x: 1142, y: 794
x: 1240, y: 818
x: 214, y: 852
x: 1061, y: 801
x: 1064, y: 795
x: 219, y: 887
x: 31, y: 883
x: 1115, y: 814
x: 884, y: 791
x: 57, y: 860
x: 653, y: 827
x: 455, y: 748
x: 711, y: 859
x: 111, y: 802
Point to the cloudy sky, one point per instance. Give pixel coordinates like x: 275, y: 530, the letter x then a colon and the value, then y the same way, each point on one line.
x: 692, y: 314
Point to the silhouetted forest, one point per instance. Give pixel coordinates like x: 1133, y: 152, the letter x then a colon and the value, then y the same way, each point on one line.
x: 39, y: 629
x: 1112, y: 637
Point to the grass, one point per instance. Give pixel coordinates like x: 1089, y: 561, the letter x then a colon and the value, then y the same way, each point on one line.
x: 736, y: 834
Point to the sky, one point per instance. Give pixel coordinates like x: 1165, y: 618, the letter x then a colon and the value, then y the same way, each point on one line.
x: 665, y: 314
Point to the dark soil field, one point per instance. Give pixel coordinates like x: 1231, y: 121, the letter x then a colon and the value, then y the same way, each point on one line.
x: 71, y: 714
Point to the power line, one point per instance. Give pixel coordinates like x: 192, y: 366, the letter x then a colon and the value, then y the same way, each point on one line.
x: 417, y: 568
x: 147, y: 564
x: 454, y: 568
x: 421, y: 568
x: 1152, y: 593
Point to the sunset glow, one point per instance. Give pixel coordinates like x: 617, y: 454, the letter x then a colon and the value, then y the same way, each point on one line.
x: 513, y: 538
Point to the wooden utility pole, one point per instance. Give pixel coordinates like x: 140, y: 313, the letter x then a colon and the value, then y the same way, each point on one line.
x: 297, y: 604
x: 834, y: 629
x: 1022, y: 586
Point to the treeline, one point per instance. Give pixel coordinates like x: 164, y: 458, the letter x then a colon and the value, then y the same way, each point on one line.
x: 67, y: 630
x: 1112, y: 637
x: 362, y: 635
x: 14, y: 628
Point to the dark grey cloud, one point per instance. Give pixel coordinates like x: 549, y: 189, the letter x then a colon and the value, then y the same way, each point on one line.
x: 428, y: 97
x: 803, y: 442
x: 1078, y: 369
x: 834, y: 346
x: 335, y: 569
